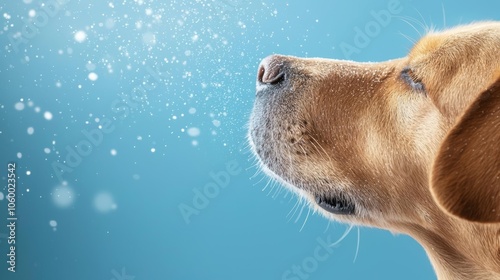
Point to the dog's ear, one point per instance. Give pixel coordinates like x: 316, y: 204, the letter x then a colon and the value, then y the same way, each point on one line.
x: 465, y: 179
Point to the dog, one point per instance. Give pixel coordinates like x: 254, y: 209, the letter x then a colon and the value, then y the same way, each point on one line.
x: 411, y: 145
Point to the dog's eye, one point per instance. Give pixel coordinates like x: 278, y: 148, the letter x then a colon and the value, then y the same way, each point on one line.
x: 409, y: 77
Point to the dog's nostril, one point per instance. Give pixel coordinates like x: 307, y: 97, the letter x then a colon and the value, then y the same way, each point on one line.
x: 271, y: 70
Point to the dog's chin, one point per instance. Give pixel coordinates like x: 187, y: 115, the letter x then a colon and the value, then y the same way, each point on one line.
x: 336, y: 204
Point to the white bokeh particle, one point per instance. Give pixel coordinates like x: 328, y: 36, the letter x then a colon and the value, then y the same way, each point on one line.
x: 104, y: 202
x: 63, y: 196
x: 93, y: 76
x: 47, y: 115
x: 19, y: 106
x: 80, y: 36
x: 193, y: 131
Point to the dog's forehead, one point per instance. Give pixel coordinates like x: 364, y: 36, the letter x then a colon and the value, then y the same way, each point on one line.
x: 425, y: 46
x: 457, y: 38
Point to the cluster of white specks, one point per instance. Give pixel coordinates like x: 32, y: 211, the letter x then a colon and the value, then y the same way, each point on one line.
x: 80, y: 36
x: 147, y: 67
x: 193, y: 131
x: 104, y: 202
x: 19, y: 106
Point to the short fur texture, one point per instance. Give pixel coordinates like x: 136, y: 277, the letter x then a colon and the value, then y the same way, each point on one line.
x: 413, y: 143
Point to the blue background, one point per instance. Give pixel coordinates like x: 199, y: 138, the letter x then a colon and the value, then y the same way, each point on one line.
x: 116, y: 213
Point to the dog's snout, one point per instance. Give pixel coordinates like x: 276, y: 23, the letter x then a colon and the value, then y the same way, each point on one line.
x: 271, y: 70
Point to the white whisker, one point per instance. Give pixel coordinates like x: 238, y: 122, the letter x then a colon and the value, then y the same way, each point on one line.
x: 307, y: 216
x: 413, y: 41
x: 444, y: 15
x: 301, y: 210
x: 348, y: 230
x: 277, y: 192
x: 327, y: 226
x: 324, y: 151
x: 268, y: 181
x: 424, y: 22
x: 294, y: 209
x: 357, y: 247
x: 258, y: 182
x: 411, y: 24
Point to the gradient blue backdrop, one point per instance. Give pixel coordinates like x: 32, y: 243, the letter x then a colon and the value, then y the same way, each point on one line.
x: 176, y: 81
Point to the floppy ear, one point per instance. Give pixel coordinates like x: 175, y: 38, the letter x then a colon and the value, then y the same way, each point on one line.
x: 465, y: 179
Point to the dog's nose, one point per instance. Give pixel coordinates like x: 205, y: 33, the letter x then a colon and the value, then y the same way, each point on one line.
x: 271, y: 70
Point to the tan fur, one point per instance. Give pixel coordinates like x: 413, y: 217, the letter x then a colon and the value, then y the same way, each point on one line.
x: 425, y: 163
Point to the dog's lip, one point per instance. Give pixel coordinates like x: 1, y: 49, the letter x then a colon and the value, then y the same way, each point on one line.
x: 338, y: 205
